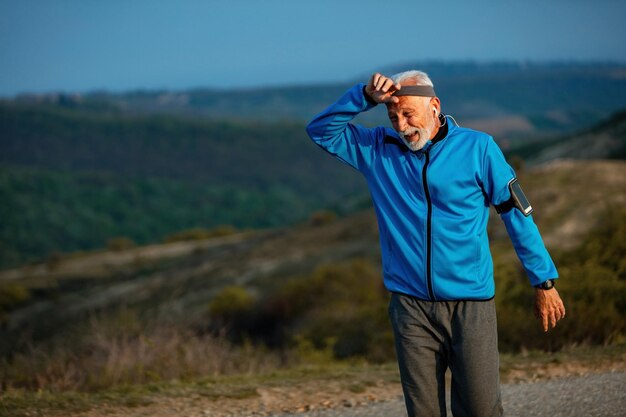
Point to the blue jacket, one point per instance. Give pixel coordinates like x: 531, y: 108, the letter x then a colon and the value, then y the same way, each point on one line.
x: 432, y: 205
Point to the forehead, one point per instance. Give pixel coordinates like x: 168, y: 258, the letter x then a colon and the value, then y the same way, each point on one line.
x: 408, y: 102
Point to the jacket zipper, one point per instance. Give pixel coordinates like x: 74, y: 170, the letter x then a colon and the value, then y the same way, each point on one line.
x: 429, y: 219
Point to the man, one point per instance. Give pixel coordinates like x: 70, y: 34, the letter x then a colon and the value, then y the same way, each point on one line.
x: 432, y: 182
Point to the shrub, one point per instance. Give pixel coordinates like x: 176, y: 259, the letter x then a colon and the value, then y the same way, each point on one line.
x: 200, y: 234
x: 322, y: 218
x: 11, y: 296
x: 340, y: 306
x: 232, y: 310
x: 120, y: 243
x: 54, y: 259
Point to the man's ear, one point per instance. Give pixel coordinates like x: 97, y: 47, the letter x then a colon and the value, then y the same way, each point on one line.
x: 435, y: 105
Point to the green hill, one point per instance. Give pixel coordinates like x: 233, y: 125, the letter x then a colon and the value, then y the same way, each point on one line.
x: 72, y: 179
x: 79, y: 170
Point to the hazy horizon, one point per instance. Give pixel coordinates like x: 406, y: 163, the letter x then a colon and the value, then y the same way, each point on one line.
x: 356, y: 77
x: 77, y: 46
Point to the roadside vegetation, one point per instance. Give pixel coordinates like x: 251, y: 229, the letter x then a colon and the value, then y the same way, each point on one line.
x: 336, y: 313
x: 343, y: 306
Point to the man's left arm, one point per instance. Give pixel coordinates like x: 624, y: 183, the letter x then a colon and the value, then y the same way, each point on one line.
x: 527, y: 242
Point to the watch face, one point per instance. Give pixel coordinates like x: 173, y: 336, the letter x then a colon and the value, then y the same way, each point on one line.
x: 546, y: 285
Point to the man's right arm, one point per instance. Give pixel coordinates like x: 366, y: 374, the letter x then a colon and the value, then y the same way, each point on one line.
x: 332, y: 130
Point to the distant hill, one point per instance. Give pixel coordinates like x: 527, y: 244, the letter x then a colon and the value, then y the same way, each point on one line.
x: 605, y: 140
x: 508, y: 99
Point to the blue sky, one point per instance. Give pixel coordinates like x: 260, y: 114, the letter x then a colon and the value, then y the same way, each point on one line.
x: 82, y: 45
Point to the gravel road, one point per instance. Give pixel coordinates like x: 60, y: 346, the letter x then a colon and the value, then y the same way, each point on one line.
x: 590, y: 395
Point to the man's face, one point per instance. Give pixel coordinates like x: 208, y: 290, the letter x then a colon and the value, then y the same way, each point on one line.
x: 414, y: 119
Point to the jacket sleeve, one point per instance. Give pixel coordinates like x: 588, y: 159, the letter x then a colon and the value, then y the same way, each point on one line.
x: 333, y: 132
x: 522, y: 230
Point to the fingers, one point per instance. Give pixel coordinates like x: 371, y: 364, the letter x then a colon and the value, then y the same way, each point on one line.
x: 384, y: 85
x: 548, y: 320
x: 374, y: 82
x: 379, y: 81
x: 549, y: 308
x: 376, y: 78
x: 381, y: 88
x: 549, y: 317
x: 558, y: 311
x: 553, y: 319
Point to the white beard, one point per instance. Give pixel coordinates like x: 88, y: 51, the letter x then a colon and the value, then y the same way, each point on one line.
x: 423, y: 137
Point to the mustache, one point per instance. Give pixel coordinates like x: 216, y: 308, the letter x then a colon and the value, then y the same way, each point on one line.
x: 410, y: 131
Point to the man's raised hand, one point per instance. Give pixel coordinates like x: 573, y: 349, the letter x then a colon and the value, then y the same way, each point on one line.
x: 381, y: 89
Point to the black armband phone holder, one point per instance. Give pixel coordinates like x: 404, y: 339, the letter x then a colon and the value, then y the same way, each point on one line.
x: 518, y: 200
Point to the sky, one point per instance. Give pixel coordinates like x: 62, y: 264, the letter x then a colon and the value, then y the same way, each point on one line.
x: 119, y: 45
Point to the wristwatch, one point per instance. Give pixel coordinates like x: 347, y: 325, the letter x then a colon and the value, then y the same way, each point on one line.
x: 546, y: 285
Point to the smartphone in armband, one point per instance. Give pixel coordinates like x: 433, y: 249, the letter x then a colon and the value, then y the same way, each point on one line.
x: 519, y: 199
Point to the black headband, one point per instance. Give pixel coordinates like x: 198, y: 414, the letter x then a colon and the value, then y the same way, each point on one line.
x: 416, y: 90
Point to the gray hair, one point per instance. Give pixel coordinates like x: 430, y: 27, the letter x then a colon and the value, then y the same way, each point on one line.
x: 419, y: 77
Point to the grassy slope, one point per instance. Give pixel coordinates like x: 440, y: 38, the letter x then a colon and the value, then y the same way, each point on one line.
x: 179, y: 279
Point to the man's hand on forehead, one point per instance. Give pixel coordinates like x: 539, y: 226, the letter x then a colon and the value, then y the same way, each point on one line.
x: 381, y: 89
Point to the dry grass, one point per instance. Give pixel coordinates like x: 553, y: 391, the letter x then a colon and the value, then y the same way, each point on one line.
x: 106, y: 357
x: 296, y: 389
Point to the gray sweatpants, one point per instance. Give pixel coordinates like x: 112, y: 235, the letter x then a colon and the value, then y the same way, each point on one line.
x: 432, y: 336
